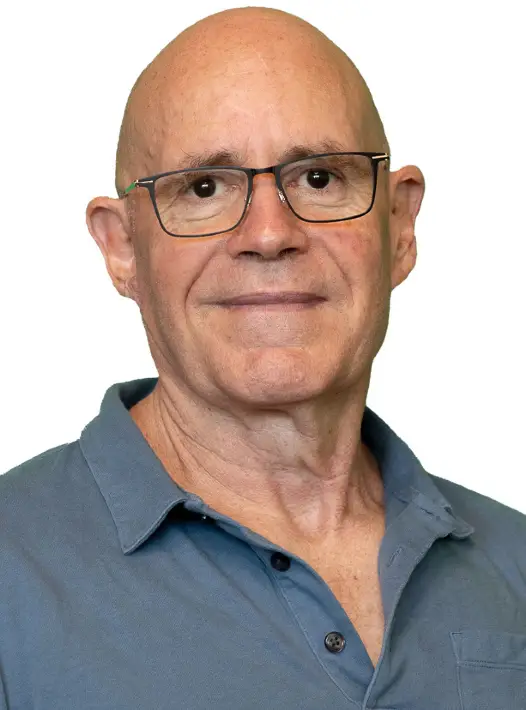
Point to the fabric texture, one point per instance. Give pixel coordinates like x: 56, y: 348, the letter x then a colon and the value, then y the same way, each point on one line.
x: 119, y: 590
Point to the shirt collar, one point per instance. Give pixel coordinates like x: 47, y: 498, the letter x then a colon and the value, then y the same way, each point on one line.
x: 404, y: 477
x: 139, y: 492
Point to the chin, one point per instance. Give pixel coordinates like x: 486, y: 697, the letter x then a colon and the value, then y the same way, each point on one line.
x: 275, y: 377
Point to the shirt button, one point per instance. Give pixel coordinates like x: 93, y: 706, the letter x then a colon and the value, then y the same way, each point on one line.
x: 280, y: 562
x: 334, y: 642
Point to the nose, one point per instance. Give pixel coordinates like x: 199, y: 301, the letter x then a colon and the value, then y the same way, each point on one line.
x: 269, y: 230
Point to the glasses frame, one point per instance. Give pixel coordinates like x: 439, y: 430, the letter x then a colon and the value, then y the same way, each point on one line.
x: 149, y: 184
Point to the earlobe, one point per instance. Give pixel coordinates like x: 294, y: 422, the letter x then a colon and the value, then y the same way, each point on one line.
x: 108, y: 225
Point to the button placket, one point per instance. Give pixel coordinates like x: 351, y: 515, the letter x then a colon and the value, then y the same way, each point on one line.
x: 334, y: 641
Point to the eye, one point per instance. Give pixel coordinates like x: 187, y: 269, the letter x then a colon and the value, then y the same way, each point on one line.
x: 318, y: 178
x: 204, y: 186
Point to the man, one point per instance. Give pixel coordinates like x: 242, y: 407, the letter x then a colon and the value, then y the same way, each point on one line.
x: 242, y: 531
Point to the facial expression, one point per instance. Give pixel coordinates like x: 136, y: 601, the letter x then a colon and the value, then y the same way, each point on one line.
x: 260, y: 100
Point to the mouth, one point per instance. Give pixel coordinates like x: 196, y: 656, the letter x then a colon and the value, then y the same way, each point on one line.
x: 281, y: 298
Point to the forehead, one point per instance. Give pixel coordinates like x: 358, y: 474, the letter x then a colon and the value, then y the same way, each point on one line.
x: 256, y: 106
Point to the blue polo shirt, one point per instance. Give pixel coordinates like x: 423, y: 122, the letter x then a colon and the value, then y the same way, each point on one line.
x: 119, y: 590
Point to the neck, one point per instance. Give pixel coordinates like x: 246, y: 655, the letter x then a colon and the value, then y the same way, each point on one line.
x: 303, y: 469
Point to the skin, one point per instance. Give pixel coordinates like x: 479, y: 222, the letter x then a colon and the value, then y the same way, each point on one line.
x: 258, y: 410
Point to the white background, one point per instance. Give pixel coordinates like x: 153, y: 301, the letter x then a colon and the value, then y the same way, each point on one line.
x: 448, y: 79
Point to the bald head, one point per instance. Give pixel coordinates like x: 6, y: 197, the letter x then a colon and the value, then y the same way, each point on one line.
x: 246, y: 43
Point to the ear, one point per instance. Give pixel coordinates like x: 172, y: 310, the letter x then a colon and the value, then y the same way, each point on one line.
x: 407, y: 187
x: 109, y: 226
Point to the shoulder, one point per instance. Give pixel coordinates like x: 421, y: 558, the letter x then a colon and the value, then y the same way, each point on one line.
x: 43, y: 495
x: 34, y: 476
x: 478, y: 508
x: 500, y: 531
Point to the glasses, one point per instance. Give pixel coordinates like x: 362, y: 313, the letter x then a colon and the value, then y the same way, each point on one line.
x: 203, y: 202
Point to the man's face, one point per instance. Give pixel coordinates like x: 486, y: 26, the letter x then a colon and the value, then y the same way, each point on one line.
x: 261, y: 107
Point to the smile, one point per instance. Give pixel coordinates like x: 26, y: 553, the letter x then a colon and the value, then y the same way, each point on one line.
x: 279, y: 299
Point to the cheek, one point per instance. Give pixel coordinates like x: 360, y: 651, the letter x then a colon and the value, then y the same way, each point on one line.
x: 168, y: 267
x: 356, y: 248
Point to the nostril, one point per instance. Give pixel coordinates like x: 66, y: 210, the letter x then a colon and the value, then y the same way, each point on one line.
x: 251, y: 254
x: 260, y: 256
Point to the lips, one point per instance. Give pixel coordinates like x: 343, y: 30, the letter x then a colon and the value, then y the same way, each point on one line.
x: 268, y: 298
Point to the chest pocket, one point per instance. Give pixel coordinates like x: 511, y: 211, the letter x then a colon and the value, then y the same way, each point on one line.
x: 491, y: 669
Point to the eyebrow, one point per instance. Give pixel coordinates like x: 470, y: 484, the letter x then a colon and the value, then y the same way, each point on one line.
x: 297, y: 152
x: 234, y: 158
